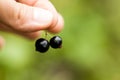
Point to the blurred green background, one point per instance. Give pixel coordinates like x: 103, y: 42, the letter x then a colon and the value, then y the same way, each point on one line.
x: 91, y: 46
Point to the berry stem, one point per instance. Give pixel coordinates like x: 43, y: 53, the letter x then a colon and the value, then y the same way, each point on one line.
x: 45, y: 34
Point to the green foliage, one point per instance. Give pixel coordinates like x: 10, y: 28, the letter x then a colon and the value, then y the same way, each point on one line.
x: 90, y: 51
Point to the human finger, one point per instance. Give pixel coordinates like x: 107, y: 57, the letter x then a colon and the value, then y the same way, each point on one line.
x: 24, y: 18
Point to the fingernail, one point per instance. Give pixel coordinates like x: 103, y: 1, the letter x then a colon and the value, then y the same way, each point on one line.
x: 43, y: 17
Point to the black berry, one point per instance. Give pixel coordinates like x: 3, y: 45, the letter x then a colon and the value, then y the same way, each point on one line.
x: 56, y: 42
x: 42, y: 45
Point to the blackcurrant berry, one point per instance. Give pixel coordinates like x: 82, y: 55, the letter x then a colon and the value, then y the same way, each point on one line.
x: 56, y: 42
x: 42, y: 45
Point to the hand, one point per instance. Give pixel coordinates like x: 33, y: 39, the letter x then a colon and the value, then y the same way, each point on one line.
x: 29, y: 17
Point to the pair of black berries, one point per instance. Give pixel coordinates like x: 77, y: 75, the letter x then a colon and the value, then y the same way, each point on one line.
x: 42, y: 45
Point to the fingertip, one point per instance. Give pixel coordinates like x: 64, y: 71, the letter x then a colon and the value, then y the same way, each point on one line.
x: 2, y: 42
x: 59, y: 25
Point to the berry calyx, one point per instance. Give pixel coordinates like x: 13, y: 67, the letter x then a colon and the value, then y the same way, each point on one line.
x: 56, y: 42
x: 42, y: 45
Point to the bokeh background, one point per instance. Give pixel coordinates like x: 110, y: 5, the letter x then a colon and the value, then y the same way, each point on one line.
x: 90, y: 51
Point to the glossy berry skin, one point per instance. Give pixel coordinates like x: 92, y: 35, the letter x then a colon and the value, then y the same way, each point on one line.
x: 56, y: 42
x: 42, y: 45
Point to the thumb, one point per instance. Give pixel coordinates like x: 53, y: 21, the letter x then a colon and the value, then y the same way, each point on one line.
x: 24, y: 18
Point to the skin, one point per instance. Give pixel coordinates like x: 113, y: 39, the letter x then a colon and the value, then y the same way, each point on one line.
x: 28, y: 18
